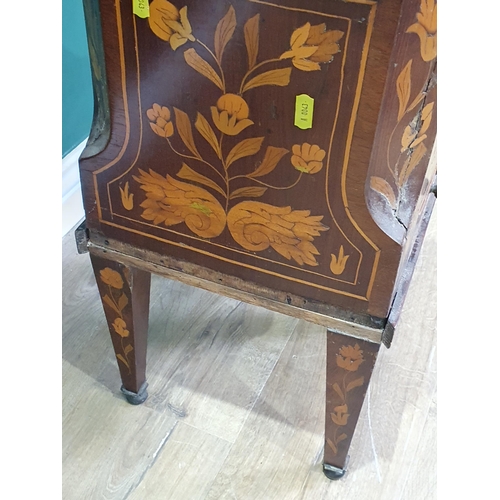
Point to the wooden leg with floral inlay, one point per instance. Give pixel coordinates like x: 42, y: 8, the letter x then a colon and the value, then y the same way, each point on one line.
x: 124, y: 293
x: 349, y: 366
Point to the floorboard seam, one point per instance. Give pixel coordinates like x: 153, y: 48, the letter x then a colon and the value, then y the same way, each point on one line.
x: 153, y: 461
x: 409, y: 469
x: 250, y: 410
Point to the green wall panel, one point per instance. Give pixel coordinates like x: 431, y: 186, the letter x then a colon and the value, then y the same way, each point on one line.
x: 77, y: 96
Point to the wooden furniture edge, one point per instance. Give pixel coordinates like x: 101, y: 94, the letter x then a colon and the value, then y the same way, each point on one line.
x: 352, y: 329
x: 407, y: 273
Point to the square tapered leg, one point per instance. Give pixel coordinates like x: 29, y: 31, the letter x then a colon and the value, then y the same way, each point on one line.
x: 125, y: 294
x: 349, y: 367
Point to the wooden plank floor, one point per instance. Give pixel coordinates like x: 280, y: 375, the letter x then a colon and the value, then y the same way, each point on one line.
x: 236, y: 401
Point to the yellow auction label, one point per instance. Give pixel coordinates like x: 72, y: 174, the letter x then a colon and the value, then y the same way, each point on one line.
x: 304, y: 107
x: 141, y: 8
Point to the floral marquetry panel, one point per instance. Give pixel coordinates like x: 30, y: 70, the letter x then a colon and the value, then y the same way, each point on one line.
x: 205, y: 163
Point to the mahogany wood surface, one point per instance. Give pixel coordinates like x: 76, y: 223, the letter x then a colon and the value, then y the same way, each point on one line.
x: 199, y: 167
x: 399, y: 178
x: 254, y: 203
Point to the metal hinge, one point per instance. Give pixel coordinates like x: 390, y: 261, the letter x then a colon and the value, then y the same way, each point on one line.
x: 82, y: 238
x: 388, y: 335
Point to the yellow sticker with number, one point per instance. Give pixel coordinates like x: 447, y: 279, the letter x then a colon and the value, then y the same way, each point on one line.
x: 304, y: 107
x: 141, y: 8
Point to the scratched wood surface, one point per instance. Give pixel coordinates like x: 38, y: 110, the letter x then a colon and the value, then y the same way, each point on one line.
x: 237, y: 400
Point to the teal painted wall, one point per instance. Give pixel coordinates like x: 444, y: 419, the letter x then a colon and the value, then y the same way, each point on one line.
x: 77, y: 96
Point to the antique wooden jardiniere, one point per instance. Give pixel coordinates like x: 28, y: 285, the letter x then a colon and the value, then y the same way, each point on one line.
x: 276, y: 152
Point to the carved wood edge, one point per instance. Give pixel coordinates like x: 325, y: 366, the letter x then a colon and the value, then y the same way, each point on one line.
x: 349, y: 328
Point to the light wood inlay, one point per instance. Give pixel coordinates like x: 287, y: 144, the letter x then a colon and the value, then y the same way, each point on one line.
x: 237, y: 400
